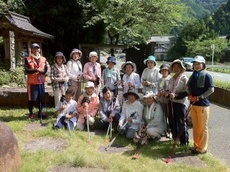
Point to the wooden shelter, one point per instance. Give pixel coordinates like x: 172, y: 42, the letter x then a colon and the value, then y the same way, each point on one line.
x: 18, y: 34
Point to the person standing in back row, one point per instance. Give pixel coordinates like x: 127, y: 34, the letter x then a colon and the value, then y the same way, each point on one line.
x: 111, y: 76
x: 35, y: 68
x: 59, y: 77
x: 92, y: 71
x: 200, y: 86
x: 74, y: 67
x: 150, y: 76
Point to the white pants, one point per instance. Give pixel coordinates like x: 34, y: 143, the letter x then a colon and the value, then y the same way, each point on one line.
x: 154, y: 132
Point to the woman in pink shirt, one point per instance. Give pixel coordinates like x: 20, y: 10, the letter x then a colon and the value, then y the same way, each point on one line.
x: 92, y: 71
x: 87, y: 107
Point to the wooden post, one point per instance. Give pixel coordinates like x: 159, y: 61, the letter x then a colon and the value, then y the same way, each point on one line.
x: 12, y: 50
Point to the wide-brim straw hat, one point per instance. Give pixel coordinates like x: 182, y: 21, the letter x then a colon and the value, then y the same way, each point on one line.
x: 178, y: 62
x: 126, y: 63
x: 131, y: 91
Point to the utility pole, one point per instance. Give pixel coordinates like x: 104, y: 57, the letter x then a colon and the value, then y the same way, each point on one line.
x: 213, y: 50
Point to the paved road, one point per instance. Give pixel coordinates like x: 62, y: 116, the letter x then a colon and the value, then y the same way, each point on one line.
x: 219, y: 127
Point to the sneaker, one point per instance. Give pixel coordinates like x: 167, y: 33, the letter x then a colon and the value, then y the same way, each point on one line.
x: 196, y: 152
x: 31, y: 116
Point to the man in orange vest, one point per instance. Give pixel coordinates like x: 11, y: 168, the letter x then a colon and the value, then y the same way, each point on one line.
x: 35, y: 68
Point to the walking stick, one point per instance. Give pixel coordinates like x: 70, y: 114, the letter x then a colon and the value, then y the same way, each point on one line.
x: 110, y: 127
x: 68, y: 127
x: 40, y: 101
x: 123, y: 126
x: 87, y: 124
x: 108, y: 131
x: 178, y: 136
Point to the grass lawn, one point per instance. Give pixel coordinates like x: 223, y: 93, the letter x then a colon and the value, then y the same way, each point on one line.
x: 80, y: 151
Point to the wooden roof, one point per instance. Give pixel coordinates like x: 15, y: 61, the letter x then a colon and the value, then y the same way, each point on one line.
x: 20, y: 23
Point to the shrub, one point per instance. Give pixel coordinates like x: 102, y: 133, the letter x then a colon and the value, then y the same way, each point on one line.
x: 4, y: 79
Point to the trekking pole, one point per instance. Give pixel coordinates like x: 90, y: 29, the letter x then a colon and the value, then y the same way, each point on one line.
x: 111, y: 131
x: 178, y: 136
x: 87, y: 124
x: 68, y: 127
x: 123, y: 126
x: 107, y: 133
x: 110, y: 127
x: 40, y: 101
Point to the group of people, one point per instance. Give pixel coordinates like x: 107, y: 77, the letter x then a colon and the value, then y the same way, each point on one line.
x: 162, y: 110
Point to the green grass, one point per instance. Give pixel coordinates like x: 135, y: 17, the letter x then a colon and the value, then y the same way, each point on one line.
x: 80, y: 153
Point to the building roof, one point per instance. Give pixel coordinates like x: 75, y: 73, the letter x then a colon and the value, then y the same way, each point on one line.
x: 161, y: 39
x: 23, y: 23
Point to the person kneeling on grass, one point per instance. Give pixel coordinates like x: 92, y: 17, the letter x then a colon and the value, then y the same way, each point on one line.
x: 131, y: 113
x: 153, y: 116
x: 66, y: 111
x: 109, y: 109
x: 88, y: 105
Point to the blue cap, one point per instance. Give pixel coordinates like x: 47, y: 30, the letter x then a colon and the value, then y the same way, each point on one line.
x: 111, y: 59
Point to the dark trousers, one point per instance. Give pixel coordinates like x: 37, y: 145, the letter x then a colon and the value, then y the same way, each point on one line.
x: 62, y: 123
x: 177, y: 122
x: 104, y: 124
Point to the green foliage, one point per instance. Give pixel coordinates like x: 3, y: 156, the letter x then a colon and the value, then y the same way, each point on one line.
x: 133, y: 22
x: 11, y: 5
x: 16, y: 76
x: 4, y: 79
x: 204, y: 48
x: 75, y: 150
x: 193, y: 34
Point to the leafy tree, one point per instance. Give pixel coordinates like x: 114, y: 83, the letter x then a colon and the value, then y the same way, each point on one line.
x: 12, y: 5
x: 64, y: 20
x: 133, y: 22
x: 193, y: 31
x: 204, y: 48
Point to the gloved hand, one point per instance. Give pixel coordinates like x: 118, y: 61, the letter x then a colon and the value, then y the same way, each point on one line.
x: 193, y: 98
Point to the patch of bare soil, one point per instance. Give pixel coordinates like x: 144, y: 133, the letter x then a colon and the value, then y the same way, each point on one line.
x: 188, y: 159
x: 34, y: 126
x: 46, y: 144
x: 75, y: 169
x: 115, y: 148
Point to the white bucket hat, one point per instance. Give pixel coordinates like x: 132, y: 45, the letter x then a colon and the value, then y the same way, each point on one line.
x: 149, y: 94
x: 92, y: 54
x: 89, y: 84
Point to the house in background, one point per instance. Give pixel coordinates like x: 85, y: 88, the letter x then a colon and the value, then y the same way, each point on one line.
x: 18, y: 34
x: 161, y: 46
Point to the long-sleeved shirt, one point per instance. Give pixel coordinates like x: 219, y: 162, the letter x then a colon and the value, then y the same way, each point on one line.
x: 92, y: 107
x: 153, y: 116
x: 129, y: 108
x: 74, y: 69
x: 110, y: 77
x: 89, y: 72
x: 151, y: 75
x: 108, y: 107
x: 133, y: 78
x: 71, y: 108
